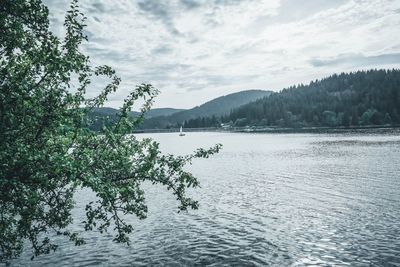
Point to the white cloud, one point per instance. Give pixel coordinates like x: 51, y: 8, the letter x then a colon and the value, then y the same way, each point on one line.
x: 195, y: 50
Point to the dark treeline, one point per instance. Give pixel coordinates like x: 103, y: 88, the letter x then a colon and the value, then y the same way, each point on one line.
x: 353, y: 99
x: 202, y: 122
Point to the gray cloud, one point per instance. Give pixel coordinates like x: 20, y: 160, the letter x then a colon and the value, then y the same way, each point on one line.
x: 110, y: 55
x: 195, y: 50
x: 160, y: 10
x: 166, y: 10
x: 229, y: 2
x: 357, y: 60
x: 191, y: 4
x: 99, y: 7
x: 163, y: 72
x: 293, y: 10
x: 218, y: 80
x: 163, y: 50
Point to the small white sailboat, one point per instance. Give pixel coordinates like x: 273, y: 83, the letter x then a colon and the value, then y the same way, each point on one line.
x: 181, y: 133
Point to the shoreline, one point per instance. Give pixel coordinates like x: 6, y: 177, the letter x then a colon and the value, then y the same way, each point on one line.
x: 371, y: 128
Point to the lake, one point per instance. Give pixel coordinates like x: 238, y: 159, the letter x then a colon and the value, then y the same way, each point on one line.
x: 266, y: 199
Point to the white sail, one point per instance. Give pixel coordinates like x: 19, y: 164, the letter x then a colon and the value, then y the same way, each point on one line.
x: 181, y: 132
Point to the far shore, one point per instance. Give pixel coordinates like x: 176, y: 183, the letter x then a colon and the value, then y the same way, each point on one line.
x: 257, y: 129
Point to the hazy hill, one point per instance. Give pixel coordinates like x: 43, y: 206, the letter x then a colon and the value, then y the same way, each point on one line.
x: 161, y: 112
x: 103, y: 114
x: 105, y: 111
x: 216, y: 107
x: 357, y: 98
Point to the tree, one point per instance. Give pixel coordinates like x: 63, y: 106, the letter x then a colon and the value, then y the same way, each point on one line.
x: 241, y: 122
x: 377, y: 118
x: 346, y: 119
x: 387, y: 119
x: 329, y: 118
x: 47, y: 151
x: 354, y: 118
x: 371, y: 116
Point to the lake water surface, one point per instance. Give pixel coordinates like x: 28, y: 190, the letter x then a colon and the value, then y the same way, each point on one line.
x: 266, y: 199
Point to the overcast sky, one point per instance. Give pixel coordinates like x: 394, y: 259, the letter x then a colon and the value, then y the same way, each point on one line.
x: 196, y: 50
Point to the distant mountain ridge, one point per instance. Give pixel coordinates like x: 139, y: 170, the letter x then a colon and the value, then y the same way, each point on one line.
x: 161, y: 118
x: 156, y: 112
x: 217, y: 107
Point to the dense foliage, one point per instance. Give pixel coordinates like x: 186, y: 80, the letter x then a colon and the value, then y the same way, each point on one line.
x: 353, y: 99
x: 359, y: 98
x: 47, y: 150
x: 202, y: 122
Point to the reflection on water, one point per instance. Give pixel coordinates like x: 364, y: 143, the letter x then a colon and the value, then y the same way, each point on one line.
x: 266, y: 199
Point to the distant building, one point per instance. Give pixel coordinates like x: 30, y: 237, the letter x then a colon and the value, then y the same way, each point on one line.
x: 225, y: 126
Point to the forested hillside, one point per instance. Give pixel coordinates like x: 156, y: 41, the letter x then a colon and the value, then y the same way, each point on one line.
x: 352, y: 99
x: 348, y: 99
x: 217, y: 107
x: 156, y: 112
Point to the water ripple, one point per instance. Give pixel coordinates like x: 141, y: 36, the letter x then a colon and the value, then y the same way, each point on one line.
x: 266, y: 200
